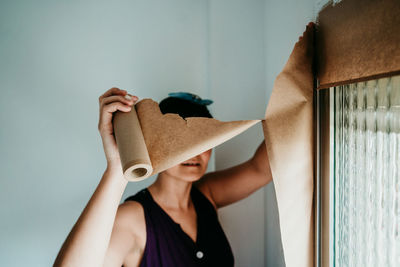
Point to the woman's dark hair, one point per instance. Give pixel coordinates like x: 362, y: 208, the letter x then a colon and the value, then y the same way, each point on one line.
x: 185, y: 108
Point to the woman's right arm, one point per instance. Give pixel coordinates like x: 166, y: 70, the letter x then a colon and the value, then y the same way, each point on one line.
x: 88, y: 241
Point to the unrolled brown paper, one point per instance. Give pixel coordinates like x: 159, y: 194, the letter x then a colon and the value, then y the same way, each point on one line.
x: 150, y: 142
x: 288, y: 131
x: 357, y: 40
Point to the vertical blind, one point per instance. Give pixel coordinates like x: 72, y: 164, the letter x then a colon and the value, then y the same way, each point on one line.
x: 367, y: 173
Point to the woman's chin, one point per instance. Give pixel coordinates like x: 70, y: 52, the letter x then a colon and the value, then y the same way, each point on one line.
x: 190, y: 175
x: 186, y: 173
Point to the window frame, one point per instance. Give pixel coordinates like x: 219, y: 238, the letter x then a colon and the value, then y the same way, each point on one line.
x: 324, y: 189
x: 358, y: 62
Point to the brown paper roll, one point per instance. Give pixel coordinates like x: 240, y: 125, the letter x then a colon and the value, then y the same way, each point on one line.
x: 150, y: 142
x: 132, y: 148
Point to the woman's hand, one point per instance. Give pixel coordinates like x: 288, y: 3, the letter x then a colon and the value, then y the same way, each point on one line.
x: 111, y: 101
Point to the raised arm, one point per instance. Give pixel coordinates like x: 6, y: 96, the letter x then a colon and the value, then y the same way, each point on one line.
x: 88, y: 241
x: 227, y: 186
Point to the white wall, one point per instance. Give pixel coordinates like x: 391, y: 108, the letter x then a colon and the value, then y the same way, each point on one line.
x: 57, y: 57
x: 237, y: 85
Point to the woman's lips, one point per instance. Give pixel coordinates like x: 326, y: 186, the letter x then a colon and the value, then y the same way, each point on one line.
x: 191, y: 164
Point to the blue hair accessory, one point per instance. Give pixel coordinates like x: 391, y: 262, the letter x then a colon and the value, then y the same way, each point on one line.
x: 192, y: 98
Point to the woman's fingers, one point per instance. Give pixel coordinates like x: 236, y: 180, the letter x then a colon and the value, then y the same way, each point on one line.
x: 115, y: 98
x: 111, y: 101
x: 107, y: 112
x: 112, y: 91
x: 114, y: 106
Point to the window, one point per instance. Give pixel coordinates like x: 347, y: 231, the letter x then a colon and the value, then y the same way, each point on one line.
x: 360, y: 174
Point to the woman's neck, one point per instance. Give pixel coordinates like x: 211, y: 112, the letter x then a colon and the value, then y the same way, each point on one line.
x: 171, y: 192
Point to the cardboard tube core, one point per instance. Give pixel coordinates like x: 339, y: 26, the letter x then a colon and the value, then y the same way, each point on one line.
x: 139, y: 172
x: 132, y: 148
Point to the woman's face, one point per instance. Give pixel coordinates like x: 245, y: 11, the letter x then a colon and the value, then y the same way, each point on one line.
x: 192, y: 169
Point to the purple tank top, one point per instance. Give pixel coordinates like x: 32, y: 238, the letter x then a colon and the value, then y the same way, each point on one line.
x: 168, y: 245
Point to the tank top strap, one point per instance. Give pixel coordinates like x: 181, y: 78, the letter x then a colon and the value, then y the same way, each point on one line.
x: 142, y: 197
x: 204, y: 207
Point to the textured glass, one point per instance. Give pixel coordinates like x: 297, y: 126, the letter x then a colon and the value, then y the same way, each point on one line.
x: 367, y: 173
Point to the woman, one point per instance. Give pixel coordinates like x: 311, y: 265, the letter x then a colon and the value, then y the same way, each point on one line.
x: 173, y: 222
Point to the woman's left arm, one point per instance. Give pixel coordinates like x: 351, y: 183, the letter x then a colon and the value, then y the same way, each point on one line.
x: 227, y: 186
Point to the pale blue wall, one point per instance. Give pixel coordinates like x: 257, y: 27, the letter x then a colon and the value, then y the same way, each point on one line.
x: 57, y: 57
x: 238, y: 87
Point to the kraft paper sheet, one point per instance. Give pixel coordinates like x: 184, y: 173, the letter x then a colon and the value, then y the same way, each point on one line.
x: 150, y: 142
x: 357, y: 40
x: 288, y: 131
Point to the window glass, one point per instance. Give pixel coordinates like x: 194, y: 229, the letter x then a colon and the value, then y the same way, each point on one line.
x: 367, y: 173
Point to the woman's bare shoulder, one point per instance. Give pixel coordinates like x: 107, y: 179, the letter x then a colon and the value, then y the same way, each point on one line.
x: 128, y: 237
x: 131, y: 215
